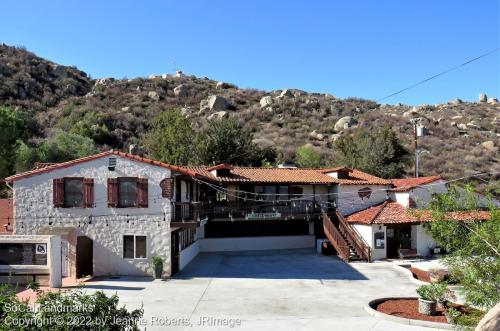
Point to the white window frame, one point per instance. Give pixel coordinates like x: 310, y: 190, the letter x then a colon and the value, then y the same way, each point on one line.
x: 135, y: 246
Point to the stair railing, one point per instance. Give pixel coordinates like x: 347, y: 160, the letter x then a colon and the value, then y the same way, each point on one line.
x: 359, y: 244
x: 335, y: 238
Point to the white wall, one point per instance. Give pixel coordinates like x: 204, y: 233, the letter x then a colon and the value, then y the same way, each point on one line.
x: 255, y: 243
x: 33, y: 204
x: 188, y: 254
x: 403, y: 198
x: 367, y: 231
x: 348, y: 200
x: 424, y: 241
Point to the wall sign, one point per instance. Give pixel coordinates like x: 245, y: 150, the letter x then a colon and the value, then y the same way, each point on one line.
x: 23, y: 254
x: 365, y: 192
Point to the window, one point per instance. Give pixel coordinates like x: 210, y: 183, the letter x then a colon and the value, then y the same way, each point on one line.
x: 127, y: 192
x: 283, y: 192
x: 134, y: 247
x: 73, y: 192
x: 269, y: 192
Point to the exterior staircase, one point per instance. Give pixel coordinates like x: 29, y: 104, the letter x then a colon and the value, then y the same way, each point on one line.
x: 348, y: 243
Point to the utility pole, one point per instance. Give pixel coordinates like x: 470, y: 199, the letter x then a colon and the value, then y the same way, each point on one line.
x: 415, y: 143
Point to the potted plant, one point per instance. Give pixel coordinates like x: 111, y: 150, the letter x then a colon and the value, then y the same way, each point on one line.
x: 157, y: 266
x: 428, y: 297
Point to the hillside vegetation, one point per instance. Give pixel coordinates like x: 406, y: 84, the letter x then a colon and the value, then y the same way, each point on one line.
x: 115, y: 113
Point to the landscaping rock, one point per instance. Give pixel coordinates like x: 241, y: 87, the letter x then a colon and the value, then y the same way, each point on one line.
x: 483, y: 97
x: 344, y: 123
x: 181, y: 91
x: 266, y: 101
x: 490, y: 321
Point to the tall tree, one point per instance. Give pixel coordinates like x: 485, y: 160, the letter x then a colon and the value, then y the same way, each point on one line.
x: 381, y: 154
x: 171, y: 139
x: 225, y: 142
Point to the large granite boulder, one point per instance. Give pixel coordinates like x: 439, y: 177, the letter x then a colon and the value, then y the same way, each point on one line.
x: 344, y: 123
x: 181, y: 91
x: 490, y: 321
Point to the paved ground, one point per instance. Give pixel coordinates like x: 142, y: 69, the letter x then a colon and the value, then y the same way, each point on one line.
x: 265, y: 290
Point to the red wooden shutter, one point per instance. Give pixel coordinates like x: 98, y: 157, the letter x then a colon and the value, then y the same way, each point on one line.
x: 142, y: 192
x: 112, y: 192
x: 88, y: 192
x: 167, y: 188
x: 58, y: 192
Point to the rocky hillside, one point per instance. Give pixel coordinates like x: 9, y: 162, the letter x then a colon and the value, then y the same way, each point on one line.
x: 462, y: 137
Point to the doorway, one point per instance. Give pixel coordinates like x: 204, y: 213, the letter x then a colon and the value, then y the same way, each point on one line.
x: 174, y: 252
x: 84, y: 257
x: 398, y: 236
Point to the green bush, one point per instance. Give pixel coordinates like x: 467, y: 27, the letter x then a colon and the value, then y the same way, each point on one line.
x: 432, y: 292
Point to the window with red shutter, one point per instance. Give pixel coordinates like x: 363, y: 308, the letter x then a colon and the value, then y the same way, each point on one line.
x: 112, y: 192
x: 58, y: 192
x: 142, y: 192
x: 167, y: 188
x: 88, y: 192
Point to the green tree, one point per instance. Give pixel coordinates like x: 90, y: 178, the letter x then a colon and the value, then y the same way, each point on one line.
x: 380, y: 154
x: 12, y: 128
x: 474, y: 245
x: 307, y: 157
x: 225, y: 142
x: 171, y: 139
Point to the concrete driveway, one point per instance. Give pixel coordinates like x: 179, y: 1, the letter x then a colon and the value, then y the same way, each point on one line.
x: 264, y: 290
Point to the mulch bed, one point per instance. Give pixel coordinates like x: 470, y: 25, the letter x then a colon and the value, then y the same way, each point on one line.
x: 420, y: 274
x: 408, y: 308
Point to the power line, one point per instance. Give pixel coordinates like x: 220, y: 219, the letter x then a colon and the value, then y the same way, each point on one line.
x: 439, y: 74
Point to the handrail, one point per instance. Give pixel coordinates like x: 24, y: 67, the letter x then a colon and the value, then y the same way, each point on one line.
x: 354, y: 237
x: 335, y: 238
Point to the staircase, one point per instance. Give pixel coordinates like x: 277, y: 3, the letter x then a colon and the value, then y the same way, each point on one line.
x: 348, y: 243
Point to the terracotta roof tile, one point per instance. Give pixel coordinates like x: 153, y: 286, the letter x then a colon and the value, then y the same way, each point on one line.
x: 288, y: 175
x: 93, y: 157
x: 391, y: 212
x: 406, y: 184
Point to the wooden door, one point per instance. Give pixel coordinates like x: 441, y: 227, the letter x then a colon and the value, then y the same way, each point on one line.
x: 84, y: 257
x: 174, y: 252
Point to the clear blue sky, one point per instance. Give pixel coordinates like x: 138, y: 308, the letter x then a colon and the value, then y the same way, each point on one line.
x: 348, y: 48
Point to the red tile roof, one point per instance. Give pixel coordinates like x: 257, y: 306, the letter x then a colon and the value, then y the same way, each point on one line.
x: 93, y: 157
x: 6, y: 216
x: 288, y: 175
x: 391, y: 212
x: 407, y: 184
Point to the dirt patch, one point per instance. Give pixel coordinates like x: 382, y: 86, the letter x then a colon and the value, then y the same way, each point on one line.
x: 408, y: 308
x: 420, y: 274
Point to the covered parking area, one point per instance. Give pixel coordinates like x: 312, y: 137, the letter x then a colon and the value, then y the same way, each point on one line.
x: 266, y: 290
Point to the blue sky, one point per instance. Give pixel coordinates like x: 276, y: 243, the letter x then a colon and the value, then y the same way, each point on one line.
x: 360, y: 48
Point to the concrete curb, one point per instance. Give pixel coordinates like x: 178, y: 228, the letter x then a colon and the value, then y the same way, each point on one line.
x: 401, y: 320
x: 408, y: 273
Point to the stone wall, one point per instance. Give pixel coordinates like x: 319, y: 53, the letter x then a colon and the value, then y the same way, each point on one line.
x: 34, y: 211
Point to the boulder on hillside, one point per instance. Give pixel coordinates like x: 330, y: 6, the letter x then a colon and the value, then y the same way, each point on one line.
x: 219, y: 114
x: 489, y: 145
x: 483, y: 97
x: 266, y: 101
x: 223, y: 85
x: 344, y: 123
x: 316, y: 136
x: 286, y: 93
x: 181, y: 91
x: 153, y: 95
x: 456, y: 101
x: 214, y: 102
x: 411, y: 113
x: 462, y: 126
x: 493, y: 101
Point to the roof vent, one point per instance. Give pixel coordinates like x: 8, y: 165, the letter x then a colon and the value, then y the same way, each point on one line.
x: 112, y: 163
